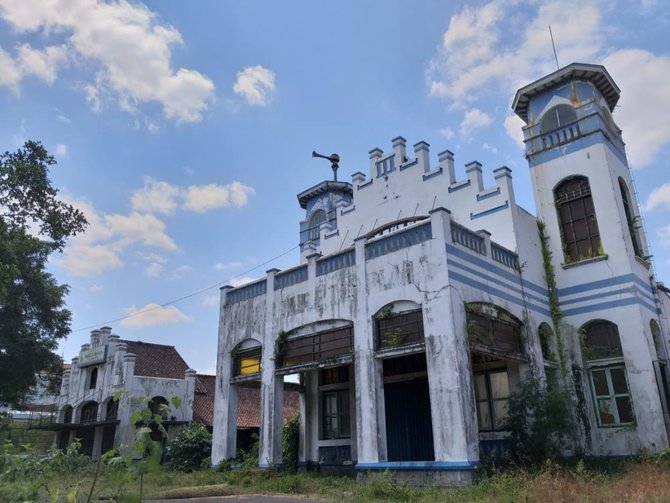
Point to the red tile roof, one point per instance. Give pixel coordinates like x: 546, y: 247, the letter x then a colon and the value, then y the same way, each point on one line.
x: 156, y: 360
x: 248, y: 406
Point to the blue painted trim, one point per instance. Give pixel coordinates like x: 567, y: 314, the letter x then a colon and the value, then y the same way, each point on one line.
x: 488, y: 212
x: 498, y: 293
x: 481, y: 197
x: 408, y: 164
x: 593, y: 285
x: 459, y: 186
x: 366, y: 184
x: 621, y: 291
x: 608, y: 305
x: 419, y: 465
x: 428, y: 176
x: 332, y: 234
x: 516, y: 287
x: 475, y: 260
x: 348, y: 209
x: 589, y: 139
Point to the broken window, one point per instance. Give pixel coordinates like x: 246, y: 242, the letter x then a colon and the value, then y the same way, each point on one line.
x: 492, y: 394
x: 577, y: 220
x: 93, y: 378
x: 247, y: 361
x: 603, y: 357
x: 89, y: 412
x: 631, y: 221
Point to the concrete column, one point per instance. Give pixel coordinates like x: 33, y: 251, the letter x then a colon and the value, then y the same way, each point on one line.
x: 446, y: 160
x: 375, y: 155
x: 186, y: 412
x: 97, y: 442
x: 367, y: 374
x: 125, y: 432
x: 423, y: 155
x: 272, y: 388
x: 473, y: 170
x: 452, y: 402
x: 224, y: 441
x: 399, y: 150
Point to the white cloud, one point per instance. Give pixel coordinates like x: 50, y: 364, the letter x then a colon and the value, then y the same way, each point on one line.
x: 42, y: 64
x: 242, y: 280
x: 473, y: 119
x: 152, y: 315
x: 658, y: 197
x: 505, y: 44
x: 139, y: 227
x: 255, y: 84
x: 664, y: 235
x: 155, y: 197
x: 95, y: 288
x: 180, y: 271
x: 447, y: 132
x: 513, y: 125
x: 644, y: 109
x: 126, y: 42
x: 155, y: 265
x: 224, y: 266
x: 61, y: 150
x: 90, y: 260
x: 201, y: 198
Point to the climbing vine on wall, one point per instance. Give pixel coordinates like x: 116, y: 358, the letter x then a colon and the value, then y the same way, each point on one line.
x: 280, y: 348
x: 550, y: 278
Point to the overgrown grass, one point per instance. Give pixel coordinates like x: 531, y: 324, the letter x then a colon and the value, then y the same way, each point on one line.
x: 641, y: 480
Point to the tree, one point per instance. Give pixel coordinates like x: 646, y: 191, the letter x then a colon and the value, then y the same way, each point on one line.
x: 33, y: 224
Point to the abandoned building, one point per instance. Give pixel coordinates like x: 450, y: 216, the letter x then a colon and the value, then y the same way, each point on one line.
x: 422, y: 301
x: 113, y: 378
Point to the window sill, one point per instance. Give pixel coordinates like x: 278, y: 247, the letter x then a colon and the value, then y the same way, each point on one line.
x: 642, y: 261
x: 577, y: 263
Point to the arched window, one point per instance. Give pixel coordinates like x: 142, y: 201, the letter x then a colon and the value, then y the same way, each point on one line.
x: 603, y: 356
x: 89, y: 412
x: 492, y: 329
x: 93, y: 378
x: 315, y: 221
x: 557, y: 117
x: 247, y: 358
x: 631, y: 221
x: 577, y: 219
x: 112, y: 410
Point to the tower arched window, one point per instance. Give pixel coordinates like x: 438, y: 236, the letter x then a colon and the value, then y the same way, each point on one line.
x: 577, y: 219
x: 557, y: 117
x: 315, y: 221
x: 631, y: 220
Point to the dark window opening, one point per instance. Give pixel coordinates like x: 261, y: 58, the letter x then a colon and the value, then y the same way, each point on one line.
x: 112, y: 410
x: 335, y: 375
x: 89, y: 412
x: 93, y: 379
x: 601, y: 340
x: 611, y: 395
x: 577, y: 220
x: 67, y: 414
x: 547, y: 342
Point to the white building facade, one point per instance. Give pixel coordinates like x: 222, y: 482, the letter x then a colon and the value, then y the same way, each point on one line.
x: 422, y: 301
x: 109, y: 381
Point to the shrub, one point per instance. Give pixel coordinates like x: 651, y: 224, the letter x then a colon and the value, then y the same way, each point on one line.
x: 190, y: 449
x: 540, y: 421
x: 290, y: 442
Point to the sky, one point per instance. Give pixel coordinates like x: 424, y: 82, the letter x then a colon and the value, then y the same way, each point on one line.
x: 184, y: 130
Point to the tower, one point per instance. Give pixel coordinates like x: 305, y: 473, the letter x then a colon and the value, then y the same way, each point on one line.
x: 606, y: 291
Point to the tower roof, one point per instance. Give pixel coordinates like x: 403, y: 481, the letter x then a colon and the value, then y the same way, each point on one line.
x: 596, y: 74
x: 322, y: 187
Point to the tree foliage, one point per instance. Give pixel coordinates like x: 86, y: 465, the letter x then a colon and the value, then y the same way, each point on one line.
x: 191, y: 448
x: 33, y: 224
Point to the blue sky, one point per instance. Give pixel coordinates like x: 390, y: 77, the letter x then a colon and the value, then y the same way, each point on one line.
x: 184, y: 129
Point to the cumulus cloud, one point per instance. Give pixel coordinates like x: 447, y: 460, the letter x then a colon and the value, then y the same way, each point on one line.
x: 201, y: 198
x: 155, y: 197
x: 61, y: 150
x: 127, y: 43
x: 110, y: 235
x: 256, y: 85
x: 504, y: 44
x: 473, y: 119
x: 152, y: 315
x: 42, y: 64
x: 659, y: 197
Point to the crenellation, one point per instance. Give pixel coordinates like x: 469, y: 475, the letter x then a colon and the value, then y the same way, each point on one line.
x: 375, y: 155
x: 446, y: 160
x: 473, y: 172
x: 422, y: 153
x: 399, y: 150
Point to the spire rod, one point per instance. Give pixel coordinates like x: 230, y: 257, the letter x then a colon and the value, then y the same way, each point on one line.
x: 554, y: 47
